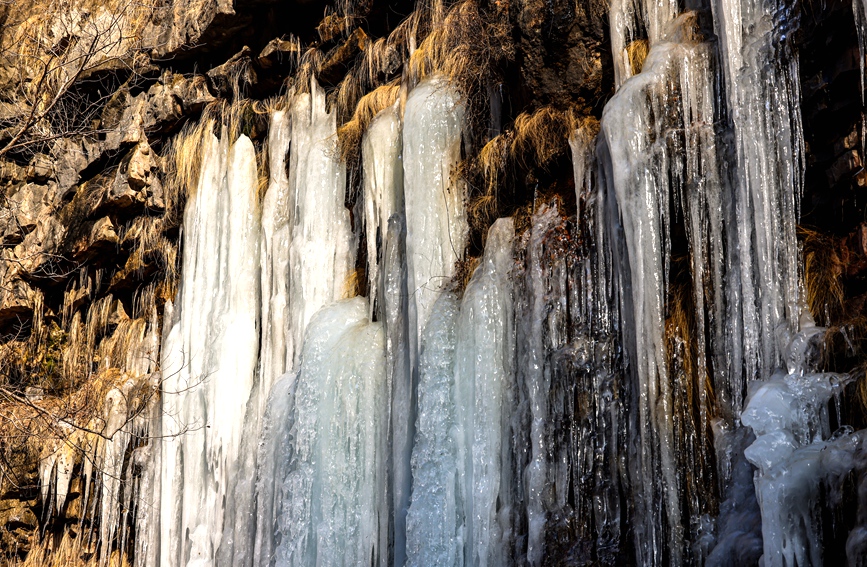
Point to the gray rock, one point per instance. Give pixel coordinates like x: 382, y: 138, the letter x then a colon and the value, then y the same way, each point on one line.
x: 23, y: 209
x: 235, y: 75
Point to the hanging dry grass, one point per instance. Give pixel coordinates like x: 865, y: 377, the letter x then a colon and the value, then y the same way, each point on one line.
x: 350, y: 134
x: 463, y: 45
x: 543, y: 135
x: 636, y: 53
x: 823, y: 271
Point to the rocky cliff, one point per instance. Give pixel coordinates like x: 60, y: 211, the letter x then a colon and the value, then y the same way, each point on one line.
x: 97, y: 103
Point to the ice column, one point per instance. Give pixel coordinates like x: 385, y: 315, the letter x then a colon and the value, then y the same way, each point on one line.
x: 461, y: 504
x: 210, y: 353
x: 436, y: 221
x: 320, y: 252
x: 334, y: 509
x: 383, y: 187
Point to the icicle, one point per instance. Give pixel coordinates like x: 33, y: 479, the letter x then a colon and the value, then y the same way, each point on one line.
x: 115, y: 442
x: 238, y: 542
x: 435, y: 212
x: 659, y: 134
x: 320, y: 253
x: 434, y: 523
x: 274, y: 360
x: 763, y: 90
x: 383, y: 187
x: 395, y: 306
x: 335, y: 507
x: 859, y: 11
x: 535, y: 379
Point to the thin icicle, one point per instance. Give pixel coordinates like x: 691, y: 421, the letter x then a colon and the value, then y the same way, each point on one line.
x: 383, y: 187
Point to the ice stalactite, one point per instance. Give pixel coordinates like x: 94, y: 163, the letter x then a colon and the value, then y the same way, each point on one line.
x: 383, y: 187
x: 462, y: 488
x: 436, y: 222
x: 797, y: 455
x: 334, y: 506
x: 400, y: 377
x: 659, y: 132
x: 321, y: 253
x: 210, y: 355
x: 763, y: 94
x: 385, y: 231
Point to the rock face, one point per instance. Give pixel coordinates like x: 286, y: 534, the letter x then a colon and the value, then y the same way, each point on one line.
x: 91, y: 197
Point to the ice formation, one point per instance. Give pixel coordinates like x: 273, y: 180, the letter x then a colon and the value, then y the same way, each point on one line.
x: 210, y: 355
x: 320, y: 249
x: 574, y: 402
x: 460, y: 506
x: 383, y: 187
x: 334, y: 509
x: 436, y: 226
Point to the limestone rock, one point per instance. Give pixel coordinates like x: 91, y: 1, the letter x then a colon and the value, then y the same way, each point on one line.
x: 73, y: 155
x: 16, y: 295
x: 23, y: 209
x: 36, y: 256
x: 178, y: 25
x: 18, y: 523
x: 12, y: 172
x: 339, y: 58
x: 278, y: 52
x: 102, y: 238
x: 235, y: 75
x: 192, y: 92
x: 41, y: 168
x: 135, y: 181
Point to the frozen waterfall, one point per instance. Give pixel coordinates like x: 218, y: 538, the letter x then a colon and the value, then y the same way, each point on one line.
x: 623, y: 372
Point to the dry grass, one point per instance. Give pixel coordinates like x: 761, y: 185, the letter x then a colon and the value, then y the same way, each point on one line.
x: 463, y: 45
x: 464, y: 270
x: 354, y: 280
x: 308, y: 65
x: 543, y: 135
x: 823, y: 270
x: 67, y: 552
x: 636, y: 53
x: 487, y: 173
x: 350, y: 134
